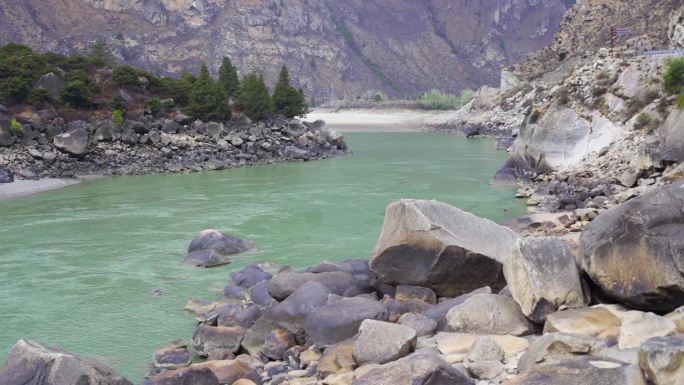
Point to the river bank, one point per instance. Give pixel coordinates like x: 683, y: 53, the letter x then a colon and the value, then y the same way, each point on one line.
x: 22, y: 188
x: 379, y: 120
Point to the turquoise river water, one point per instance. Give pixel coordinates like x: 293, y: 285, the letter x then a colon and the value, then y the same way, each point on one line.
x: 79, y: 266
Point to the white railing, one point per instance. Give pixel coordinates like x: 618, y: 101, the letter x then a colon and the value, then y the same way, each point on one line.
x: 663, y: 53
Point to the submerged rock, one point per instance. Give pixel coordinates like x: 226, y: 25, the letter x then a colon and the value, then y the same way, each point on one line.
x: 30, y: 363
x: 212, y: 248
x: 432, y: 244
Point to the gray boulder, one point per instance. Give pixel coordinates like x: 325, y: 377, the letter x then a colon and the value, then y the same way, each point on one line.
x: 423, y: 325
x: 173, y: 356
x: 129, y: 136
x: 645, y: 269
x: 7, y: 136
x: 381, y: 342
x: 170, y: 126
x: 585, y: 370
x: 6, y: 176
x: 542, y: 276
x: 30, y: 363
x: 207, y: 338
x: 340, y: 319
x: 432, y: 244
x: 52, y: 83
x: 216, y: 245
x: 672, y: 137
x: 284, y: 284
x: 662, y: 360
x: 416, y: 369
x: 552, y: 348
x: 73, y: 142
x: 438, y: 312
x: 249, y: 276
x: 488, y: 314
x: 484, y: 359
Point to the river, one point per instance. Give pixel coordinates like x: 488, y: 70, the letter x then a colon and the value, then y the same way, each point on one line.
x: 79, y: 266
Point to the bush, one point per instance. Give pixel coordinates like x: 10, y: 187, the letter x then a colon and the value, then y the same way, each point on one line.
x: 118, y: 103
x: 287, y: 100
x: 38, y: 96
x: 680, y: 100
x: 673, y: 79
x: 154, y: 105
x: 100, y: 55
x: 15, y: 89
x: 15, y: 126
x: 117, y: 118
x: 466, y: 96
x: 646, y: 123
x: 207, y: 100
x: 436, y: 100
x: 124, y: 75
x: 253, y: 97
x: 379, y: 97
x: 76, y: 94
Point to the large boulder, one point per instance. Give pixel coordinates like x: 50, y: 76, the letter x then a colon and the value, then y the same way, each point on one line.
x: 489, y: 314
x: 52, y: 83
x: 439, y: 311
x: 585, y: 370
x: 432, y: 244
x: 638, y: 326
x: 30, y: 363
x: 460, y: 343
x: 381, y: 342
x: 282, y: 285
x: 416, y: 369
x: 542, y: 276
x: 340, y: 319
x: 591, y: 321
x: 212, y: 248
x: 672, y: 137
x: 634, y: 252
x: 209, y: 373
x: 662, y: 360
x: 552, y: 348
x: 249, y: 276
x: 173, y: 356
x: 208, y: 338
x: 73, y: 142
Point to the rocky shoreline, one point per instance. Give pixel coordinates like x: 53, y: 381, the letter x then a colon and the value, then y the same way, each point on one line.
x: 445, y: 298
x: 46, y: 146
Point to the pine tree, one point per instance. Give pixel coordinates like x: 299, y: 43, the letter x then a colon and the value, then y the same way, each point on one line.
x: 207, y: 100
x: 100, y: 55
x: 253, y: 98
x: 288, y: 101
x: 228, y: 77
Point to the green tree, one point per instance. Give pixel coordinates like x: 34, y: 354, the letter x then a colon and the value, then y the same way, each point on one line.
x: 228, y: 77
x: 154, y: 104
x: 38, y: 96
x: 253, y: 98
x: 207, y: 100
x: 15, y: 89
x: 100, y: 55
x: 76, y: 94
x: 673, y: 79
x: 124, y: 75
x: 287, y: 100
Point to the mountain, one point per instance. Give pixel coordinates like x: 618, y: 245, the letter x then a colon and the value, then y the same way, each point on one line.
x: 335, y: 49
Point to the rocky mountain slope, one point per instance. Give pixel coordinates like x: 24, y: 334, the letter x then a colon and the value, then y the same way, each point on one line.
x: 338, y: 48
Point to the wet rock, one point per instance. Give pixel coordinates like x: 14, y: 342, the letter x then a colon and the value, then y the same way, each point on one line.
x: 662, y: 360
x: 542, y: 276
x: 581, y: 371
x: 423, y: 325
x: 417, y: 369
x: 380, y: 342
x: 249, y: 276
x: 225, y: 244
x: 206, y: 258
x: 591, y: 321
x: 552, y: 348
x: 244, y: 315
x: 73, y: 142
x: 644, y: 269
x: 29, y: 363
x: 282, y: 285
x: 207, y: 338
x: 488, y: 314
x: 431, y: 244
x: 340, y: 319
x: 174, y: 356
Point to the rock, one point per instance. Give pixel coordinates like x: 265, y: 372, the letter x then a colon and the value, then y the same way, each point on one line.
x: 220, y: 354
x: 137, y: 126
x: 552, y: 348
x: 206, y: 258
x: 170, y: 126
x: 249, y: 276
x: 431, y: 244
x: 591, y: 321
x: 406, y: 292
x: 662, y: 360
x: 104, y: 132
x: 30, y: 363
x: 52, y: 83
x: 638, y: 326
x: 207, y: 338
x: 222, y: 244
x: 337, y: 358
x: 438, y: 312
x: 381, y: 342
x: 339, y: 320
x: 644, y: 269
x: 276, y: 342
x: 129, y: 136
x: 460, y: 344
x: 417, y: 369
x: 282, y: 285
x: 6, y: 176
x: 73, y: 142
x: 423, y: 325
x: 542, y: 276
x: 677, y: 317
x: 484, y: 359
x: 208, y: 373
x: 174, y: 356
x: 582, y: 371
x: 488, y: 314
x: 7, y: 136
x: 244, y: 315
x: 672, y: 137
x: 344, y: 378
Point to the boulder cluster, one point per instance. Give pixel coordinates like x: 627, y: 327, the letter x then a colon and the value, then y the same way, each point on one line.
x: 446, y: 298
x: 43, y: 144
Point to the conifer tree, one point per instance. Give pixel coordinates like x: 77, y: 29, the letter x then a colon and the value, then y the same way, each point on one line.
x: 253, y: 98
x: 228, y: 77
x: 207, y: 100
x: 288, y: 101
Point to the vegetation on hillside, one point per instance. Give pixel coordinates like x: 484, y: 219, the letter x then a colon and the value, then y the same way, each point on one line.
x: 87, y: 84
x: 673, y: 79
x: 437, y: 100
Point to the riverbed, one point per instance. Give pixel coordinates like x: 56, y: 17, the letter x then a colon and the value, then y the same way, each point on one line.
x: 80, y: 265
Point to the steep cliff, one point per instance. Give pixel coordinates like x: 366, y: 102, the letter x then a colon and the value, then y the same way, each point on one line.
x: 341, y: 48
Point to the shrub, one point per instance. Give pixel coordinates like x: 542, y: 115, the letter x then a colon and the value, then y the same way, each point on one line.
x: 100, y: 55
x: 168, y: 104
x: 118, y: 103
x: 15, y: 126
x: 287, y: 100
x: 562, y: 96
x: 673, y: 79
x: 466, y: 96
x: 124, y: 75
x: 76, y: 94
x: 207, y: 100
x: 153, y: 104
x: 680, y: 100
x: 117, y: 118
x: 38, y: 96
x: 436, y: 100
x: 379, y: 97
x: 253, y: 97
x: 646, y: 123
x: 15, y: 89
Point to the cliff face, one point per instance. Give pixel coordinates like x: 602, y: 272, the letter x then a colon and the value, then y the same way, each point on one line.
x: 341, y: 48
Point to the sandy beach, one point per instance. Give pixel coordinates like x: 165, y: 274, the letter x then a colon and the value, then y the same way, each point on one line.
x: 372, y: 120
x: 21, y: 188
